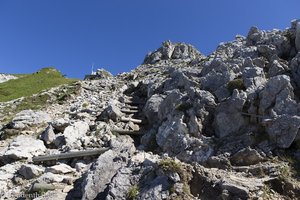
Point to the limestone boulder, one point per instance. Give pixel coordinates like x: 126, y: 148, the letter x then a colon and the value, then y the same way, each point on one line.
x: 171, y: 136
x: 111, y: 112
x: 74, y: 133
x: 151, y: 108
x: 104, y: 169
x: 29, y: 118
x: 48, y: 136
x: 276, y: 86
x: 22, y: 147
x: 297, y: 39
x: 245, y: 157
x: 29, y: 171
x: 228, y: 116
x: 283, y: 130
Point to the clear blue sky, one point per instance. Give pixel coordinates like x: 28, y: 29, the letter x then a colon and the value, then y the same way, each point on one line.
x: 116, y: 34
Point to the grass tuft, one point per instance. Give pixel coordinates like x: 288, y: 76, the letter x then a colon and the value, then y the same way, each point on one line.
x: 170, y: 165
x: 236, y: 84
x: 133, y: 192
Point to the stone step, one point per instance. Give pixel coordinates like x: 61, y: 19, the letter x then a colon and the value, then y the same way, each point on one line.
x: 127, y: 111
x: 252, y: 115
x: 69, y: 155
x: 37, y: 187
x: 130, y: 107
x: 134, y: 102
x: 137, y: 121
x: 126, y: 132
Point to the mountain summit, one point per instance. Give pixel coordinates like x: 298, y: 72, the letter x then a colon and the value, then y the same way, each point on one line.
x: 180, y: 126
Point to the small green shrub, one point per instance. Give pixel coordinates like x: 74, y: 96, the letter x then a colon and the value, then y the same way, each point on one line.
x: 284, y: 172
x: 133, y: 192
x: 266, y: 192
x: 85, y: 105
x: 170, y: 165
x: 172, y: 189
x: 236, y: 84
x: 184, y: 106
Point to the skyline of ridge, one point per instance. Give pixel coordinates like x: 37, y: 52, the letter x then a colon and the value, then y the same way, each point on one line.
x: 72, y: 36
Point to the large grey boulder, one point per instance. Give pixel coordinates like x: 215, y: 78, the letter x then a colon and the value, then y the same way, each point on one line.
x: 111, y: 112
x: 104, y: 169
x: 297, y: 40
x: 276, y: 86
x: 283, y: 130
x: 228, y: 117
x: 224, y: 184
x: 267, y: 50
x: 29, y: 171
x: 151, y: 108
x: 100, y: 175
x: 171, y: 136
x: 276, y: 68
x: 295, y: 69
x: 48, y: 136
x: 215, y: 74
x: 29, y: 118
x: 178, y: 80
x: 7, y: 172
x: 253, y: 77
x: 22, y: 147
x: 255, y: 35
x: 145, y: 177
x: 168, y: 105
x: 246, y: 156
x: 74, y: 133
x: 122, y: 182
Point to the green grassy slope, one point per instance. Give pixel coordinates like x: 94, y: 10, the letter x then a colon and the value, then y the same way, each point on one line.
x: 30, y: 84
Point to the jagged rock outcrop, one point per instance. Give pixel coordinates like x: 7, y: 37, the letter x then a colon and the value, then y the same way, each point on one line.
x: 106, y: 166
x: 74, y: 133
x: 296, y: 24
x: 171, y: 50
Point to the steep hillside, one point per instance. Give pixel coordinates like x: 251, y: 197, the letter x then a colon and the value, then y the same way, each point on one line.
x: 30, y: 84
x: 181, y: 125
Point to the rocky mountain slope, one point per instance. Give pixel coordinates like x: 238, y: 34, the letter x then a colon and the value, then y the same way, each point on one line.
x: 180, y: 126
